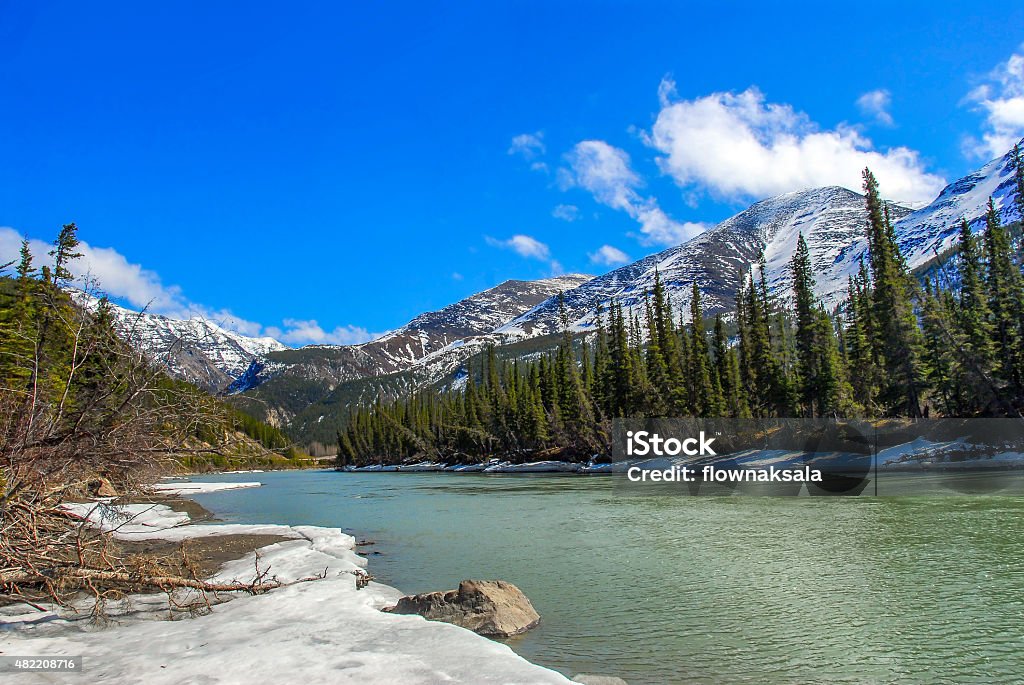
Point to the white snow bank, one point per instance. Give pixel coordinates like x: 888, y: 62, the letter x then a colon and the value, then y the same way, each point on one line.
x: 159, y: 522
x: 534, y: 467
x: 321, y: 631
x: 189, y: 488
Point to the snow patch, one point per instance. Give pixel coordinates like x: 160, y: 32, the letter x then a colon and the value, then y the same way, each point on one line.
x: 322, y: 631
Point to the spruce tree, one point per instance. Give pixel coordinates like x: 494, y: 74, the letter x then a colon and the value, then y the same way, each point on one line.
x: 860, y: 349
x: 897, y: 338
x: 703, y: 400
x: 940, y: 366
x: 820, y: 385
x: 656, y: 403
x: 808, y: 382
x: 621, y: 367
x: 1003, y: 281
x: 727, y: 372
x: 64, y: 252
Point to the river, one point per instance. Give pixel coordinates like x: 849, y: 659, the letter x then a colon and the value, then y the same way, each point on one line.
x: 693, y: 590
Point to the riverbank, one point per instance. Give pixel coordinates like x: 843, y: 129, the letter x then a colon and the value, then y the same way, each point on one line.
x: 315, y: 628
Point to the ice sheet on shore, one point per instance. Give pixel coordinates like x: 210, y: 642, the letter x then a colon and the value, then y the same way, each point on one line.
x: 189, y: 488
x: 534, y: 467
x: 321, y: 631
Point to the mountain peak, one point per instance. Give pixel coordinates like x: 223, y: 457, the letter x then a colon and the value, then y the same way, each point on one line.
x: 195, y: 349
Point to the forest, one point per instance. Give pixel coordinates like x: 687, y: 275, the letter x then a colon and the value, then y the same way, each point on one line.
x: 947, y: 343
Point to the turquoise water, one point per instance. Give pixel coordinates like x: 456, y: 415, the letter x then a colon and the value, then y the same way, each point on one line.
x: 694, y: 590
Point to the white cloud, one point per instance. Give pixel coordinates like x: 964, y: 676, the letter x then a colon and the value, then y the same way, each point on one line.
x: 875, y: 104
x: 568, y: 213
x: 528, y: 145
x: 529, y: 247
x: 605, y: 171
x: 523, y: 245
x: 1001, y: 100
x: 738, y: 146
x: 456, y: 276
x: 118, y: 277
x: 609, y: 256
x: 142, y: 288
x: 303, y: 332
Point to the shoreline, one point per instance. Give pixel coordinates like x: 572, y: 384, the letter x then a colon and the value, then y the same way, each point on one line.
x: 311, y: 629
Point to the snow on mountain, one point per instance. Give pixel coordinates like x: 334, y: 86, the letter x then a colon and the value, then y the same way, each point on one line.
x: 476, y: 315
x: 202, y: 352
x: 927, y: 232
x: 831, y: 220
x: 934, y: 228
x: 294, y: 379
x: 197, y: 350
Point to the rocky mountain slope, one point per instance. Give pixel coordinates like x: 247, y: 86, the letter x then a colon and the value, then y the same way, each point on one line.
x: 831, y: 220
x: 284, y: 383
x: 202, y: 352
x: 196, y: 350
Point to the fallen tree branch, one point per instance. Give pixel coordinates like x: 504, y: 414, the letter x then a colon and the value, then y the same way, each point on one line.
x: 132, y: 581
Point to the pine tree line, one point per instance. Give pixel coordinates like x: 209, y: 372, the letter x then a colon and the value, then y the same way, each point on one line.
x: 66, y: 375
x: 896, y: 347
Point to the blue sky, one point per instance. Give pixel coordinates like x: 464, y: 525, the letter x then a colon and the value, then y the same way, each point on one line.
x: 329, y: 171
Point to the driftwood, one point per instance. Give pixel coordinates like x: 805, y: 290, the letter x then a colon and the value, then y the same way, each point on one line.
x: 135, y: 583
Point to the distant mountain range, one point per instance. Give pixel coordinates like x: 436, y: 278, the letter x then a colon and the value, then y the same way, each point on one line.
x: 285, y: 382
x: 197, y: 350
x: 307, y: 384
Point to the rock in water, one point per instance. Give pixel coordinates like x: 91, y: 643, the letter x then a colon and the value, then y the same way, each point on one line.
x: 489, y: 607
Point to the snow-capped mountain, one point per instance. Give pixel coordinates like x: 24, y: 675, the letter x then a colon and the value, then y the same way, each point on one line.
x: 295, y: 378
x: 204, y: 353
x: 196, y: 350
x: 476, y: 315
x: 932, y: 229
x: 831, y: 219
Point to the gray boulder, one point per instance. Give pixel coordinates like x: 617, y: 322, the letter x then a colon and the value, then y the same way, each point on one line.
x: 489, y: 607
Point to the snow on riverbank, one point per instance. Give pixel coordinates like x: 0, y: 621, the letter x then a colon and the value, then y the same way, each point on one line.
x: 189, y: 488
x: 322, y: 631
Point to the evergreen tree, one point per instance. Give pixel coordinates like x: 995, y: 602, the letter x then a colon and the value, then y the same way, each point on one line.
x: 64, y: 253
x: 819, y: 379
x: 703, y: 399
x: 727, y: 373
x: 807, y: 344
x: 18, y: 325
x: 897, y: 338
x: 939, y: 362
x: 1003, y: 281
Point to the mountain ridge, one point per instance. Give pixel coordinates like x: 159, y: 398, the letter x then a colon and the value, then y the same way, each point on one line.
x: 435, y: 344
